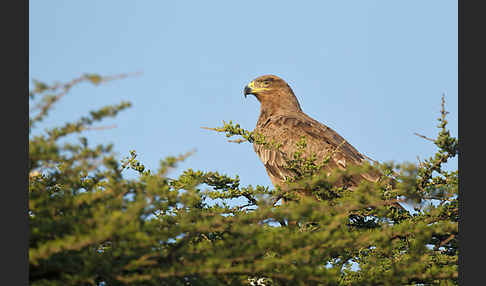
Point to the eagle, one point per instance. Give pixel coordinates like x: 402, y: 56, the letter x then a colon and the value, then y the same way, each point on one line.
x: 282, y: 121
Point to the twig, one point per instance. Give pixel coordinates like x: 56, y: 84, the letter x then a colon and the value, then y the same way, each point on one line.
x: 239, y: 141
x: 120, y: 76
x: 422, y: 136
x: 447, y: 240
x: 44, y: 107
x: 419, y: 162
x: 276, y: 200
x: 100, y: 127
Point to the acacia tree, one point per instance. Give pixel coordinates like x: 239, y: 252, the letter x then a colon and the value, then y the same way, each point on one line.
x: 91, y: 225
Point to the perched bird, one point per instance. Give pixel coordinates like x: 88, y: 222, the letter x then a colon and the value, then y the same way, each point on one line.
x: 283, y: 121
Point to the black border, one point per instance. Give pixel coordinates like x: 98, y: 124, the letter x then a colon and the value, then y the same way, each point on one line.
x: 471, y: 124
x: 15, y: 137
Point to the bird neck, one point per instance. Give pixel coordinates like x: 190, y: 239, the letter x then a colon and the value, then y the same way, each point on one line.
x: 269, y: 109
x: 278, y: 104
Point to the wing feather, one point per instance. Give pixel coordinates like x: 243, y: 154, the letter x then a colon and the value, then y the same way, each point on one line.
x: 287, y: 129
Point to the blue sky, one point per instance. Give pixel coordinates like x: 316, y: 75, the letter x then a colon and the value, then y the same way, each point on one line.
x: 374, y: 71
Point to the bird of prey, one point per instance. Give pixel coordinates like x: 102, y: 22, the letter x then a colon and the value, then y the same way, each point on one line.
x: 282, y: 121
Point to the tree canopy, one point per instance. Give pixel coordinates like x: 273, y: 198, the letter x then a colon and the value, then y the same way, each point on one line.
x: 92, y: 225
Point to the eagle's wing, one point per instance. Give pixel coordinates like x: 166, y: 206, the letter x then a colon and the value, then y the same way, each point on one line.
x: 321, y: 140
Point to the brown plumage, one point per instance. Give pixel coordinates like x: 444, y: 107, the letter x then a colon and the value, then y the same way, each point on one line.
x: 282, y: 120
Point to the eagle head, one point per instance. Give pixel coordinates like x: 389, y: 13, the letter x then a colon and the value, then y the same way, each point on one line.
x: 272, y: 92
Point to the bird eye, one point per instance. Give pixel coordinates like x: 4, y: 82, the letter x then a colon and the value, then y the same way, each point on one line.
x: 266, y: 82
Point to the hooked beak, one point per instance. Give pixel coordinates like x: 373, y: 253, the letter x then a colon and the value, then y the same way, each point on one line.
x: 249, y: 88
x: 247, y: 91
